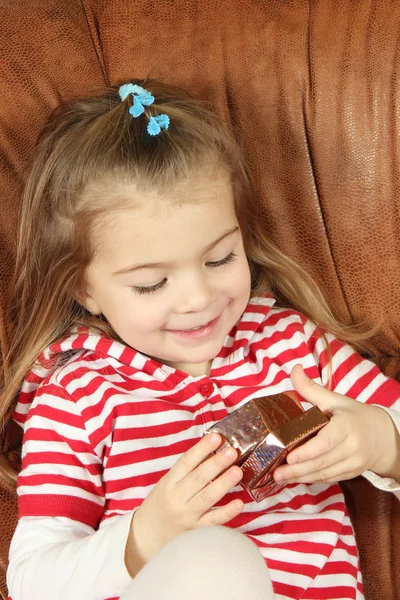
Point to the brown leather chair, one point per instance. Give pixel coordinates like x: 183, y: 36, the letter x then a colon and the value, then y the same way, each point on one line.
x: 311, y: 87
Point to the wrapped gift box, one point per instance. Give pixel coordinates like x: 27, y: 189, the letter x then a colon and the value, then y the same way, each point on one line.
x: 263, y: 431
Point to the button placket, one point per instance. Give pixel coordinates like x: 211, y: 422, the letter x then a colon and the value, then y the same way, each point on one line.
x: 206, y: 389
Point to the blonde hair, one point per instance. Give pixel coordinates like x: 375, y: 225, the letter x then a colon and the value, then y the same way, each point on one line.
x: 94, y: 140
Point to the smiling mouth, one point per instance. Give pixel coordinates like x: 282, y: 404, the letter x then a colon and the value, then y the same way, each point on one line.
x: 198, y: 328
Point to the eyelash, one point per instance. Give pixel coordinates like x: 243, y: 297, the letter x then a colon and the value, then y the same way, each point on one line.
x: 150, y: 289
x: 225, y: 261
x: 219, y: 263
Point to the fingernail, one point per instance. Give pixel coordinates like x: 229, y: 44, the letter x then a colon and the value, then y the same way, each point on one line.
x: 236, y: 475
x: 279, y: 477
x: 229, y: 452
x: 214, y: 439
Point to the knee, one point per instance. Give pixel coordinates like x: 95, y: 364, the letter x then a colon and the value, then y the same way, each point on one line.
x: 225, y: 536
x: 211, y: 541
x: 222, y: 562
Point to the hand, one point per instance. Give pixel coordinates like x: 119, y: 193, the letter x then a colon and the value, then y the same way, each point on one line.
x: 183, y: 499
x: 358, y: 437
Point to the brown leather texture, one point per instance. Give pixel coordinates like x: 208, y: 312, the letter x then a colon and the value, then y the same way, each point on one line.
x: 311, y: 89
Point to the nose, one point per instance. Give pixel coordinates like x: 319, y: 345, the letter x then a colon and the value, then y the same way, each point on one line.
x: 195, y: 295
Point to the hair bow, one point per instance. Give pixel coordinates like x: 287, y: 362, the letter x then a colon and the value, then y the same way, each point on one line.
x: 157, y: 123
x: 141, y: 98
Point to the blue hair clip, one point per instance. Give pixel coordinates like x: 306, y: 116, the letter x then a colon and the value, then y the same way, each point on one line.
x: 157, y: 123
x: 142, y: 98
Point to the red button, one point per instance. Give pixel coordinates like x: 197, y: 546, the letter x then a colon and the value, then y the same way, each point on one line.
x: 206, y: 389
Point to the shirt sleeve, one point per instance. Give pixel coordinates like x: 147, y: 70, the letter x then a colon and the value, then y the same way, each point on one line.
x: 351, y: 375
x: 61, y: 473
x: 56, y: 557
x: 59, y: 550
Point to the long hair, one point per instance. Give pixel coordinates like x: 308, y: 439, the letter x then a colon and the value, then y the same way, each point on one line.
x: 91, y: 143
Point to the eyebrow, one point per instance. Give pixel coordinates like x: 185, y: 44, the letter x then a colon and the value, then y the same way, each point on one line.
x: 158, y: 265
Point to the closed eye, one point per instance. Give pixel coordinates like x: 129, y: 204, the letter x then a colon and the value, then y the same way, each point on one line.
x: 225, y: 261
x: 153, y: 288
x: 149, y: 289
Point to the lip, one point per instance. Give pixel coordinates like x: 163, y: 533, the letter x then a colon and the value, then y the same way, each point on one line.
x: 197, y: 334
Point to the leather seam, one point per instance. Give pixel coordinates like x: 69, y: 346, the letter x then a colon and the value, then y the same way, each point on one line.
x: 314, y: 171
x: 96, y: 43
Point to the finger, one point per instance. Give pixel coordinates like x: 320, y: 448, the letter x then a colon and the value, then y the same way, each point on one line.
x: 206, y: 472
x: 207, y: 497
x: 320, y: 467
x: 222, y: 514
x: 325, y: 441
x: 332, y: 476
x: 316, y: 394
x: 193, y: 457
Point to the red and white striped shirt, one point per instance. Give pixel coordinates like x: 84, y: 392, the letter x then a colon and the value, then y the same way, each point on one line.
x: 103, y: 423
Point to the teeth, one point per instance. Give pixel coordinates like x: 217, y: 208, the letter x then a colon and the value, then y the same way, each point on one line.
x: 195, y: 328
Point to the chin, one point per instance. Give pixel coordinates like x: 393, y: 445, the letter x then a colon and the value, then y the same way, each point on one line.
x: 199, y: 357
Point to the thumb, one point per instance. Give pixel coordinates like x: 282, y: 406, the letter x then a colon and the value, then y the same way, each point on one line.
x: 316, y: 394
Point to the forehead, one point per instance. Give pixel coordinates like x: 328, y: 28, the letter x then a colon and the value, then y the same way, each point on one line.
x: 155, y: 224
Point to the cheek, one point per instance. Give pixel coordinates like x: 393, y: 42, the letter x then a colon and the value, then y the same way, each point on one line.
x: 241, y: 281
x: 141, y: 314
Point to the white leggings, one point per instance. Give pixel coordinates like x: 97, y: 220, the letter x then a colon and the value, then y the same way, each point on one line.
x: 210, y: 563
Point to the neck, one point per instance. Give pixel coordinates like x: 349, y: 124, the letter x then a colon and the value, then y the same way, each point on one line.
x: 193, y: 369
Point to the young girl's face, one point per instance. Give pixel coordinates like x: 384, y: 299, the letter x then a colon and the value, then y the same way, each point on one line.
x: 170, y: 274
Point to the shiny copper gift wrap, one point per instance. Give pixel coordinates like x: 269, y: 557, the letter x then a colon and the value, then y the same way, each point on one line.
x: 263, y: 431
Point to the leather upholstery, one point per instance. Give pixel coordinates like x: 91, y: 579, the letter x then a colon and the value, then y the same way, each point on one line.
x: 311, y: 88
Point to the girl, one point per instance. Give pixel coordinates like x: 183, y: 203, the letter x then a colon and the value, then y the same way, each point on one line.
x: 148, y: 304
